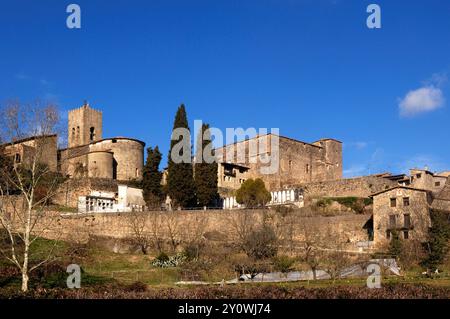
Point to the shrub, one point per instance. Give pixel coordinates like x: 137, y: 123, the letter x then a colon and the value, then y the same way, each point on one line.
x: 395, y: 245
x: 195, y: 269
x: 192, y: 250
x: 261, y: 243
x: 162, y: 257
x: 284, y: 210
x: 253, y: 193
x: 284, y: 264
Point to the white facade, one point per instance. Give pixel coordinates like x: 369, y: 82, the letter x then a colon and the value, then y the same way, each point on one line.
x: 128, y: 199
x: 293, y: 196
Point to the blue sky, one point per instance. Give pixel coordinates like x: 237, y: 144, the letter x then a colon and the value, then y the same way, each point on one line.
x: 311, y: 68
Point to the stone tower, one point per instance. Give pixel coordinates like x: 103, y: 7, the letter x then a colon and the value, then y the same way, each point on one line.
x: 85, y: 126
x: 332, y: 158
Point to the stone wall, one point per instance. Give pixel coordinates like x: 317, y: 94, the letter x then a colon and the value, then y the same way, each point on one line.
x: 347, y: 229
x: 351, y: 187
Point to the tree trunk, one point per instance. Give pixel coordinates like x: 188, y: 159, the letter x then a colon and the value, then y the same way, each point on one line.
x: 25, y: 280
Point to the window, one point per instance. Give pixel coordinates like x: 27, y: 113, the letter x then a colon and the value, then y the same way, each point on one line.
x: 393, y: 202
x: 307, y: 168
x: 392, y: 222
x: 17, y: 158
x: 407, y: 221
x: 73, y: 133
x: 290, y: 164
x: 406, y: 234
x: 419, y: 175
x: 137, y: 172
x: 92, y: 134
x: 437, y: 184
x: 406, y: 201
x: 388, y: 234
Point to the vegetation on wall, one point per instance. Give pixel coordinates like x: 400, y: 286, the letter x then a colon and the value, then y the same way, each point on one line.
x: 357, y: 204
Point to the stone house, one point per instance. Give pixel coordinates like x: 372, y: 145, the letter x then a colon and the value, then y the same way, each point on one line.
x: 403, y: 210
x: 24, y: 151
x: 441, y: 200
x: 424, y: 179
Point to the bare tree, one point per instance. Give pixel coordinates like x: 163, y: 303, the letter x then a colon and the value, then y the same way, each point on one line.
x: 145, y: 229
x: 243, y: 222
x: 173, y: 229
x: 310, y: 248
x: 28, y: 180
x: 193, y: 232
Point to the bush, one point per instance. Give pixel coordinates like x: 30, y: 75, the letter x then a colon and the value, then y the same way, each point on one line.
x: 162, y: 257
x: 195, y: 269
x: 356, y: 204
x: 253, y: 193
x: 284, y: 264
x: 284, y: 210
x: 395, y: 245
x: 192, y: 250
x: 261, y: 243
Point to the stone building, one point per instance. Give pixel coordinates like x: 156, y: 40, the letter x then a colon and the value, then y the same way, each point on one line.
x: 402, y: 210
x: 90, y: 155
x: 25, y: 151
x: 424, y: 179
x: 295, y: 162
x: 441, y: 200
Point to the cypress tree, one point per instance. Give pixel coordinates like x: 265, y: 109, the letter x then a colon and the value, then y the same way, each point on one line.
x: 205, y: 174
x: 180, y: 179
x: 151, y: 181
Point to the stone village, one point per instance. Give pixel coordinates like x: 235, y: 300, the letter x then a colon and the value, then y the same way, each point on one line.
x: 103, y: 171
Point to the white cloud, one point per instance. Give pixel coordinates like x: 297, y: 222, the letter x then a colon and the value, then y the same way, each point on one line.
x: 424, y: 99
x: 437, y: 79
